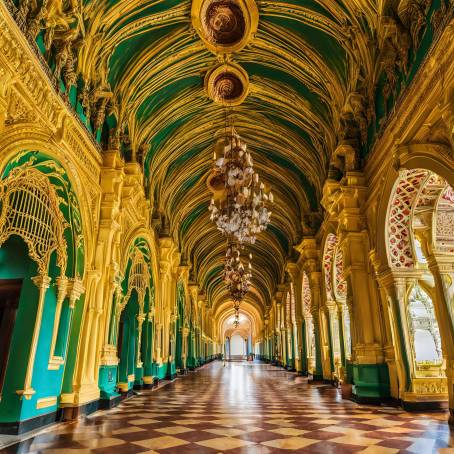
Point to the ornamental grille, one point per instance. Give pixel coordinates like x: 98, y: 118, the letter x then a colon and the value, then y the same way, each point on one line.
x: 29, y: 208
x: 306, y: 296
x: 330, y: 245
x: 340, y: 287
x: 445, y: 221
x: 139, y: 279
x: 399, y: 215
x: 292, y: 303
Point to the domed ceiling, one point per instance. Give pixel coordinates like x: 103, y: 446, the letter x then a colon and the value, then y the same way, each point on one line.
x: 299, y: 77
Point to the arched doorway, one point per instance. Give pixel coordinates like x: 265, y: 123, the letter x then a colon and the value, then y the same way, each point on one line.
x: 335, y: 317
x: 131, y: 327
x: 237, y: 347
x: 420, y: 250
x: 41, y: 271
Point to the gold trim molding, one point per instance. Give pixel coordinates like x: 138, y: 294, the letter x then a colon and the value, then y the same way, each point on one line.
x: 46, y: 402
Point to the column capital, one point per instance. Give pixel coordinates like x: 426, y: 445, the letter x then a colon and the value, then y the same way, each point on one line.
x: 75, y: 290
x: 294, y: 270
x: 41, y: 281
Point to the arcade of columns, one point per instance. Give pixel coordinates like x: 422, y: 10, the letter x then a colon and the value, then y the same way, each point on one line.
x: 343, y: 313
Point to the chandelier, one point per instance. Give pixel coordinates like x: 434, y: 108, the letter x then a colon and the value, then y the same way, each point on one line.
x: 236, y: 320
x: 241, y: 212
x: 236, y: 276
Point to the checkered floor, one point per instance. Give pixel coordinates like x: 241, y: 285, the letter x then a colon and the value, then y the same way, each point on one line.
x: 245, y: 408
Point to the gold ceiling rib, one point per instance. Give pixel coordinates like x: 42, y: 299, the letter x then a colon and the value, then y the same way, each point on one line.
x: 307, y: 70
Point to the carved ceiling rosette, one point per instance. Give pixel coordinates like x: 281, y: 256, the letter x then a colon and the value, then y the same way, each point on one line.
x: 227, y: 84
x: 225, y: 26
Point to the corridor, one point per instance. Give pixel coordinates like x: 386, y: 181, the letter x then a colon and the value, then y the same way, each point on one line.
x: 247, y: 408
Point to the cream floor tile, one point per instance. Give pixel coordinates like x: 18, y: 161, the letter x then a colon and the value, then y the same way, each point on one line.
x: 422, y: 422
x: 381, y: 422
x: 245, y: 421
x: 105, y: 442
x: 223, y: 422
x: 289, y: 443
x: 65, y: 451
x: 139, y: 422
x: 121, y: 416
x: 251, y: 429
x: 325, y: 421
x: 225, y: 443
x: 227, y: 432
x: 161, y: 442
x: 422, y: 445
x: 280, y: 422
x: 127, y: 430
x: 345, y: 430
x: 174, y: 430
x: 363, y: 416
x: 189, y: 422
x: 399, y: 430
x: 288, y: 431
x: 379, y: 450
x: 355, y: 440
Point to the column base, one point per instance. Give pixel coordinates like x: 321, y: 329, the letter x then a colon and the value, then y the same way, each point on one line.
x: 316, y: 378
x: 365, y: 400
x: 127, y: 394
x: 69, y: 413
x: 425, y: 406
x: 371, y: 383
x: 21, y: 427
x: 108, y: 403
x: 183, y: 371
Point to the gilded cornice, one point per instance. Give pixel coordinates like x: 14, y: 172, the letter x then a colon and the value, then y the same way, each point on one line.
x: 32, y: 87
x: 429, y: 86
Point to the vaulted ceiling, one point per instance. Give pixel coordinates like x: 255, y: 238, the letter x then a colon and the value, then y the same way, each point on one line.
x: 315, y: 73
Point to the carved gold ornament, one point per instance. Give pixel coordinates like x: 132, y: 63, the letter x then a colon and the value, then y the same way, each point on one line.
x: 225, y: 26
x: 227, y: 84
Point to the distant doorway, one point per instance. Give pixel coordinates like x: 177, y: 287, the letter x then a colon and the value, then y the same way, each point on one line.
x: 9, y: 302
x: 237, y: 347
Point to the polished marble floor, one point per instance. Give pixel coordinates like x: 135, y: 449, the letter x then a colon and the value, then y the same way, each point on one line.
x: 245, y: 408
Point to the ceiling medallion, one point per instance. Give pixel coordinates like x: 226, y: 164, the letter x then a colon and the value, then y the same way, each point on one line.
x: 227, y: 84
x: 225, y: 26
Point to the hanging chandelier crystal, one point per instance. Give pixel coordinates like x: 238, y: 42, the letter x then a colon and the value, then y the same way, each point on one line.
x: 242, y: 211
x: 236, y: 320
x: 236, y: 276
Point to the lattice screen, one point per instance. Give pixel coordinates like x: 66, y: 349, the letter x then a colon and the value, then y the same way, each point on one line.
x: 30, y: 209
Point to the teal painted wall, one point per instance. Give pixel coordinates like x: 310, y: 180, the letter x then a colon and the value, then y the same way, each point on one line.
x: 15, y: 263
x: 129, y: 340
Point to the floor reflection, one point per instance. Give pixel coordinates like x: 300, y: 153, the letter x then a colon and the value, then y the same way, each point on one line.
x: 245, y: 408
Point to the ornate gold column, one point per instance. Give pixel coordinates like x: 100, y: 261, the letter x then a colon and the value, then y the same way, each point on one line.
x: 167, y: 284
x: 85, y: 384
x: 295, y: 272
x: 442, y: 269
x: 370, y: 372
x: 43, y: 283
x: 310, y: 259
